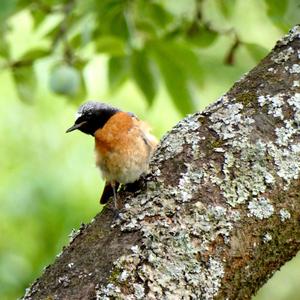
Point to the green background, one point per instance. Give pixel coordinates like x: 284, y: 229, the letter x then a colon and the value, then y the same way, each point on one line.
x: 49, y: 182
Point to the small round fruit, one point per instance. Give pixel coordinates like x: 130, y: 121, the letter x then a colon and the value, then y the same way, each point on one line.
x: 64, y: 80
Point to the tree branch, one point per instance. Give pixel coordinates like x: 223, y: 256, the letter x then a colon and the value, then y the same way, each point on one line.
x: 219, y: 212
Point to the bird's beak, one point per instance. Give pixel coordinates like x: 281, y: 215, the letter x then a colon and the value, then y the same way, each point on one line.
x: 75, y: 126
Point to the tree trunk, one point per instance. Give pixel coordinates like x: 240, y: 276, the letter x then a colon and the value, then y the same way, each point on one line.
x: 218, y: 213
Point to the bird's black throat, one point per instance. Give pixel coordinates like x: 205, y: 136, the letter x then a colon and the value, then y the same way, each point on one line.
x: 93, y: 116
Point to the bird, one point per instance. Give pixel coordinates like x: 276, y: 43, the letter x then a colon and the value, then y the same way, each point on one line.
x: 124, y: 144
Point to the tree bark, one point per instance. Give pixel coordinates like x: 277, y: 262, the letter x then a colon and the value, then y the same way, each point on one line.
x: 219, y: 211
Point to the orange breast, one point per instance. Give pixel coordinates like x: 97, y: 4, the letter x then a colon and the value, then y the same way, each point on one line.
x: 123, y: 148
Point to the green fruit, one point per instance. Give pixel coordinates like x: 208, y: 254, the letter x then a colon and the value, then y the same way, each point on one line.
x: 64, y: 80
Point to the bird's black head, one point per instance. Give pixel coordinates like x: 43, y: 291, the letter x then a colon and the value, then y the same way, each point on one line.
x: 91, y: 116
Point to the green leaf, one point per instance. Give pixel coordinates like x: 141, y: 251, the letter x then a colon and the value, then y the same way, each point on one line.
x: 276, y: 7
x: 181, y: 55
x: 256, y: 51
x: 144, y: 74
x: 184, y: 10
x: 118, y: 70
x: 81, y: 38
x: 201, y: 36
x: 112, y: 16
x: 7, y: 7
x: 60, y: 28
x: 292, y: 15
x: 26, y: 83
x: 276, y: 10
x: 176, y: 81
x: 53, y: 32
x: 22, y: 4
x: 76, y: 41
x: 226, y: 7
x: 34, y: 54
x: 111, y: 45
x: 4, y: 48
x: 147, y: 28
x: 38, y: 16
x: 151, y: 18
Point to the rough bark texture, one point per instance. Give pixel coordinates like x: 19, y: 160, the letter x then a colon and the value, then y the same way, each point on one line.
x: 219, y: 212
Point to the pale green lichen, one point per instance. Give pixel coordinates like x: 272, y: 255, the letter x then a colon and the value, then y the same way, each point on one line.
x: 286, y: 156
x: 189, y: 182
x: 296, y: 83
x: 274, y: 104
x: 294, y: 102
x: 293, y: 34
x: 284, y: 214
x: 139, y: 291
x: 216, y: 272
x: 267, y: 237
x: 173, y: 145
x: 123, y: 276
x: 251, y: 174
x: 226, y: 121
x: 260, y: 208
x: 64, y: 280
x: 286, y: 161
x: 107, y: 292
x: 285, y: 133
x: 295, y: 68
x: 283, y: 56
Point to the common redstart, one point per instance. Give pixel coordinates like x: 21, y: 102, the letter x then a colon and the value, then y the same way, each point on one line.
x: 123, y: 144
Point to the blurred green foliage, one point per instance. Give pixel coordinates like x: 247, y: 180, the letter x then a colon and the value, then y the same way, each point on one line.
x: 160, y: 59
